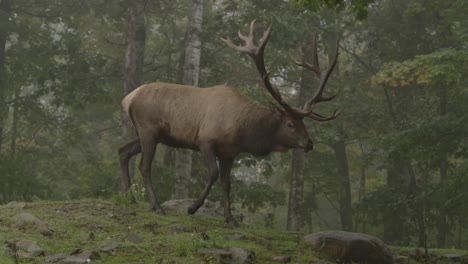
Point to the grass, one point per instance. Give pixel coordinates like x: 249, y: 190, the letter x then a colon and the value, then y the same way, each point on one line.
x: 172, y: 238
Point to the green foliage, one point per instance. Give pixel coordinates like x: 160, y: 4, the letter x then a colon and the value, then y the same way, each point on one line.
x: 358, y: 7
x: 444, y: 67
x: 254, y: 196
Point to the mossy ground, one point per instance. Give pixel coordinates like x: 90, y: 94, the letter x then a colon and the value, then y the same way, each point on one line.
x: 171, y: 238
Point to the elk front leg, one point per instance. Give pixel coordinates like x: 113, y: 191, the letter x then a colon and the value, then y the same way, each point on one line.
x: 209, y: 157
x: 125, y: 153
x: 225, y: 166
x: 148, y: 148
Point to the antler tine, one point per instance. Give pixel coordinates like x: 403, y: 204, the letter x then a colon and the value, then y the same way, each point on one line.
x: 321, y: 118
x: 315, y: 54
x: 323, y: 80
x: 248, y: 39
x: 256, y: 53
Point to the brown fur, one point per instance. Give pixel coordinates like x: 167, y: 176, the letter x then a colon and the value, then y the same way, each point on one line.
x: 218, y: 121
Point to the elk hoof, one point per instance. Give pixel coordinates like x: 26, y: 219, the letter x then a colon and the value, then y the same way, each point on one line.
x: 191, y: 210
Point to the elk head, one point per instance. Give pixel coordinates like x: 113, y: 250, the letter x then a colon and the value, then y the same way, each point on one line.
x: 291, y: 132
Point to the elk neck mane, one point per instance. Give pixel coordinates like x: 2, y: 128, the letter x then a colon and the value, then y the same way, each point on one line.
x: 258, y: 126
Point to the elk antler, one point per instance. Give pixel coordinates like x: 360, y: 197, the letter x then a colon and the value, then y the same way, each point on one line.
x: 315, y: 67
x: 256, y: 53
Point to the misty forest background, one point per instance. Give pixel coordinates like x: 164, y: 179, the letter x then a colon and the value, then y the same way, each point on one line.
x: 394, y: 164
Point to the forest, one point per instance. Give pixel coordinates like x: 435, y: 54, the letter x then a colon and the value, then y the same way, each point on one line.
x: 394, y: 163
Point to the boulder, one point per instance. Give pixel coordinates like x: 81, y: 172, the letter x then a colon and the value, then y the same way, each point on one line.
x: 55, y: 258
x: 16, y: 205
x: 110, y: 248
x: 28, y: 249
x: 347, y: 246
x: 234, y: 255
x: 221, y: 255
x: 26, y: 221
x: 241, y: 255
x: 281, y: 259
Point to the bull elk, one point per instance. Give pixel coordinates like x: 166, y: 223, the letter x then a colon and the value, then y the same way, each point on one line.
x: 218, y: 121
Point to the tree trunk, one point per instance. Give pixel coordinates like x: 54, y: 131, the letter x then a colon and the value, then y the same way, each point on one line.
x: 14, y: 125
x: 362, y: 185
x: 295, y: 219
x: 134, y: 61
x: 191, y: 70
x: 339, y: 147
x: 5, y: 10
x: 346, y: 213
x: 296, y: 211
x: 394, y: 217
x: 442, y: 223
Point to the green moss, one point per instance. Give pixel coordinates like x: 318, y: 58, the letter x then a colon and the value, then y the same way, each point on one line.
x: 171, y: 238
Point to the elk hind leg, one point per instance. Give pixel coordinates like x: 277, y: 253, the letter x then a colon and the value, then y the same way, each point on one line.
x: 209, y: 157
x: 148, y: 142
x: 225, y: 166
x: 126, y: 153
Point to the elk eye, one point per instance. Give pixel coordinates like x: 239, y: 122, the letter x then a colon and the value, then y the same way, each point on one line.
x: 290, y: 125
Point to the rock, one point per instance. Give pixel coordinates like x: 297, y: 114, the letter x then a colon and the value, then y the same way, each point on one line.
x: 110, y: 248
x: 54, y: 258
x: 281, y: 259
x: 348, y: 246
x: 17, y: 205
x: 134, y: 238
x: 453, y: 257
x: 91, y: 255
x: 26, y: 221
x: 73, y: 260
x: 241, y: 256
x: 401, y: 260
x: 45, y: 231
x: 28, y: 249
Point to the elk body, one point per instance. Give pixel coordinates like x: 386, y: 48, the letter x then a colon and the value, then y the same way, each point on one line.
x: 219, y: 121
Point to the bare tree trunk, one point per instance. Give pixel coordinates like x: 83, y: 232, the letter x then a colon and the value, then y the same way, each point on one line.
x: 346, y: 213
x: 442, y: 223
x: 339, y: 148
x: 362, y: 185
x: 134, y: 61
x: 14, y: 125
x: 295, y: 219
x: 5, y: 10
x: 191, y: 70
x: 393, y: 217
x: 296, y: 211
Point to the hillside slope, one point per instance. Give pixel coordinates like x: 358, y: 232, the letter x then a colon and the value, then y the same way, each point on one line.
x: 132, y: 234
